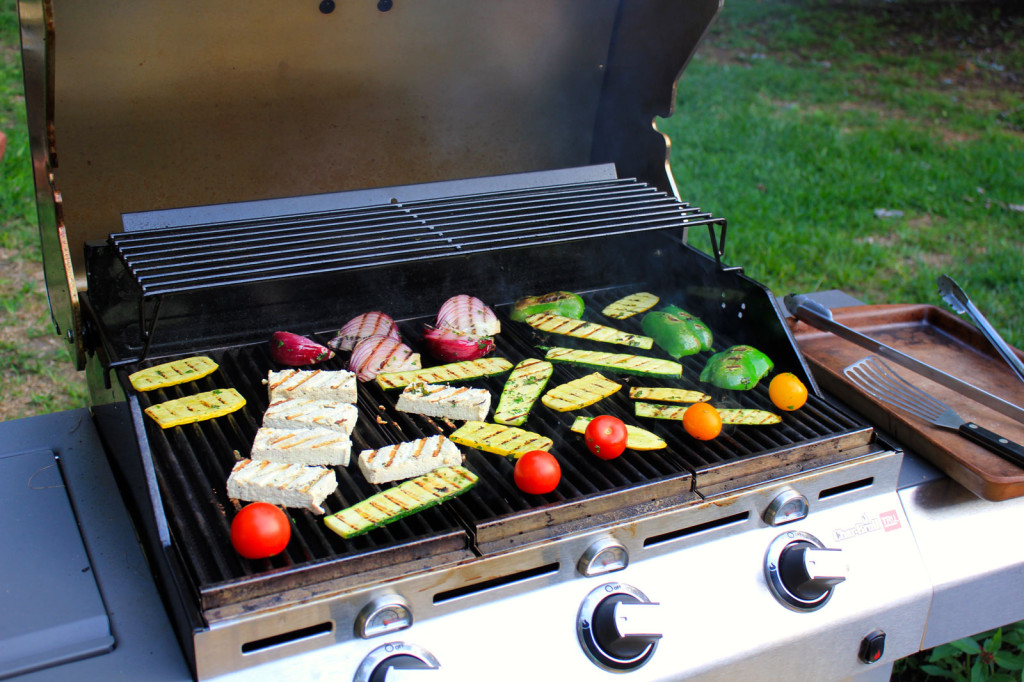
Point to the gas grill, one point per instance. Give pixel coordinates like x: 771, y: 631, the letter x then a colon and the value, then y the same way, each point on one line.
x: 386, y: 157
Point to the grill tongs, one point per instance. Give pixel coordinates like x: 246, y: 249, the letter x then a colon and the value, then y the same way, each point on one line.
x: 881, y: 382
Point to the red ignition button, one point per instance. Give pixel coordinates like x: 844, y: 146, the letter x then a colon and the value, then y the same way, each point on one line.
x: 872, y: 646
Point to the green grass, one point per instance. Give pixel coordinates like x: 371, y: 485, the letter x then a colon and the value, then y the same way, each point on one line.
x: 797, y: 120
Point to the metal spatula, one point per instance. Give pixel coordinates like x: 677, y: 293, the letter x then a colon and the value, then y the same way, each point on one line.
x: 880, y: 381
x: 958, y: 300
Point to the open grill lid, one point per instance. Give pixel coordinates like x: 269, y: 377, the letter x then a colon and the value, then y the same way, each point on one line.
x: 171, y: 105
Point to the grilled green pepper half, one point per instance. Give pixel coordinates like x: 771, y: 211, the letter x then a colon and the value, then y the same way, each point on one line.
x: 676, y: 331
x: 564, y: 303
x: 737, y: 368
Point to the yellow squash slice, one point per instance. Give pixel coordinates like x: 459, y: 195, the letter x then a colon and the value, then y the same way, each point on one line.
x: 501, y: 440
x: 522, y: 388
x: 630, y: 305
x: 196, y: 408
x: 579, y: 393
x: 172, y: 373
x: 668, y: 395
x: 445, y: 374
x: 742, y: 417
x: 556, y: 324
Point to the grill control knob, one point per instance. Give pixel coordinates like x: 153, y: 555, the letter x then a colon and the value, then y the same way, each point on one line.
x: 618, y: 627
x: 801, y: 571
x: 395, y: 656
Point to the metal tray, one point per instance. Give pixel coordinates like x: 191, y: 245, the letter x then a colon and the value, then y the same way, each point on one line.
x: 941, y: 339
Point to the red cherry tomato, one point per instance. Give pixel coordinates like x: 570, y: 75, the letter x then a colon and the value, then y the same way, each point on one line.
x: 260, y: 530
x: 606, y: 436
x: 537, y: 472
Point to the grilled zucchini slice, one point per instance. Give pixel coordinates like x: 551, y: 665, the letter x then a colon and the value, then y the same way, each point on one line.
x: 499, y: 439
x: 667, y: 395
x: 578, y: 393
x: 404, y: 499
x: 172, y: 373
x: 622, y: 363
x: 522, y: 388
x: 196, y: 408
x: 743, y: 417
x: 636, y: 438
x: 445, y: 374
x: 557, y: 324
x: 629, y: 306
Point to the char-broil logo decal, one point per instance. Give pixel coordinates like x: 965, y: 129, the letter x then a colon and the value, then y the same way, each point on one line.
x: 886, y: 521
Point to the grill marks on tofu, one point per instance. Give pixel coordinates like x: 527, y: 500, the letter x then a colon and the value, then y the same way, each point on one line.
x: 445, y: 402
x: 557, y: 324
x: 305, y: 446
x: 281, y: 483
x: 405, y: 460
x: 299, y: 413
x: 319, y: 384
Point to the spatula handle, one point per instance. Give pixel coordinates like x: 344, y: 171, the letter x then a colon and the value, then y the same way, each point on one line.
x: 1004, y: 447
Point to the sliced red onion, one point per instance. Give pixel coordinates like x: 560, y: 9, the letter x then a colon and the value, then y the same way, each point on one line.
x: 450, y: 345
x: 374, y: 323
x: 295, y: 351
x: 376, y: 354
x: 468, y: 314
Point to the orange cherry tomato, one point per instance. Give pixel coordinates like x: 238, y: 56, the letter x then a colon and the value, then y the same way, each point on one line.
x: 787, y: 391
x: 702, y: 421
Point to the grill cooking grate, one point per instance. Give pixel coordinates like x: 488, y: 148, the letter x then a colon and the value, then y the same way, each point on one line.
x: 192, y: 463
x: 177, y: 260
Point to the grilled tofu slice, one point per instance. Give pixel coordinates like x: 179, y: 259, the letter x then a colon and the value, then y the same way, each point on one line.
x: 196, y: 408
x: 172, y: 373
x: 299, y: 413
x: 556, y: 324
x: 318, y: 384
x: 325, y: 447
x: 405, y: 460
x: 407, y: 498
x: 445, y: 374
x: 578, y: 393
x: 636, y: 438
x: 630, y: 305
x: 622, y: 363
x: 445, y: 402
x: 743, y: 417
x: 281, y: 483
x: 499, y: 439
x: 522, y: 388
x: 668, y: 395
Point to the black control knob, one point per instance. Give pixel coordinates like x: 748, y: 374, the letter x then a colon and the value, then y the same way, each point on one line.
x: 801, y: 571
x: 618, y: 627
x: 394, y: 656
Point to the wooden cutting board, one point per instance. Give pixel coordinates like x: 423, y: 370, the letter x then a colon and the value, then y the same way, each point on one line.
x: 944, y: 341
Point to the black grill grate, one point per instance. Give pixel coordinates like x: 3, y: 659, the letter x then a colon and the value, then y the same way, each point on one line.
x: 193, y: 461
x: 202, y: 257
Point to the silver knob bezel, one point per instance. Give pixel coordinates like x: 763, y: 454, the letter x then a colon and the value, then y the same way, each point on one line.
x: 385, y: 651
x: 772, y: 575
x: 591, y: 647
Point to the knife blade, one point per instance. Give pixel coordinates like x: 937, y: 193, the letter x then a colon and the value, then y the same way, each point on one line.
x: 820, y: 317
x: 958, y: 300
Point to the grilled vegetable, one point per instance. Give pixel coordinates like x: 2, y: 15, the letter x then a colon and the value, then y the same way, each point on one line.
x: 469, y: 315
x: 172, y: 373
x: 295, y: 351
x: 404, y: 499
x: 522, y: 388
x: 636, y: 438
x: 556, y: 324
x: 196, y: 408
x: 455, y: 371
x: 668, y: 395
x: 677, y: 335
x: 630, y: 305
x: 744, y: 417
x: 737, y: 368
x: 616, y: 362
x: 501, y: 440
x: 376, y: 354
x: 450, y: 345
x: 579, y: 393
x: 374, y: 323
x: 696, y: 324
x: 564, y: 303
